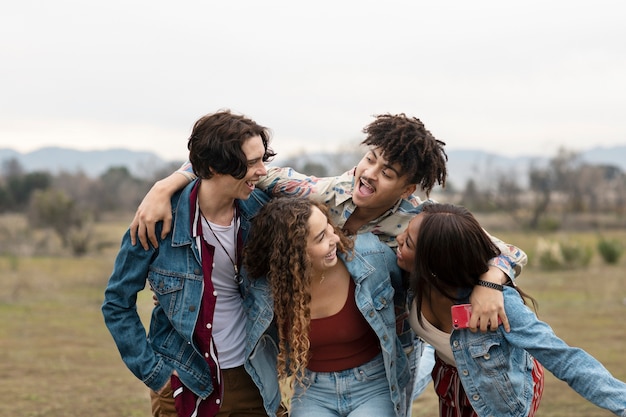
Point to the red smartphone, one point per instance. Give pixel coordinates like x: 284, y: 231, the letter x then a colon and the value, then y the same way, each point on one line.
x: 461, y: 314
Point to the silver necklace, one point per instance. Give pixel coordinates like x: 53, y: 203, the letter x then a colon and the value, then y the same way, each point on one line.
x: 233, y: 262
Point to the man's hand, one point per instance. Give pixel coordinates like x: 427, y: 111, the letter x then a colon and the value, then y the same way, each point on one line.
x: 488, y: 303
x: 155, y: 207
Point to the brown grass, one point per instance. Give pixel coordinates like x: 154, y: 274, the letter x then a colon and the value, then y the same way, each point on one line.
x: 58, y: 359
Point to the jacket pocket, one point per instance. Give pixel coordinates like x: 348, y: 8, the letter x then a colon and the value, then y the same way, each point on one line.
x: 488, y: 356
x: 168, y: 289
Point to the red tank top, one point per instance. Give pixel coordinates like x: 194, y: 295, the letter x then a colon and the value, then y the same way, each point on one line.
x: 342, y: 341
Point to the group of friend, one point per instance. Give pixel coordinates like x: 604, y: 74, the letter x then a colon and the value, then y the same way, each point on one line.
x: 279, y: 293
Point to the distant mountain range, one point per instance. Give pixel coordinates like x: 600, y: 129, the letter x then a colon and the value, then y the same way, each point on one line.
x: 463, y: 164
x: 92, y: 163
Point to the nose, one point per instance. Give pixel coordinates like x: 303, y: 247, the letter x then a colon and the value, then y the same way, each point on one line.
x: 400, y: 238
x: 334, y: 237
x: 370, y: 172
x: 262, y: 170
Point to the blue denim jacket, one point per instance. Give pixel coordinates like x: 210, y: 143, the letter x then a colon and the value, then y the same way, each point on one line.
x: 174, y: 272
x: 495, y: 367
x: 375, y: 273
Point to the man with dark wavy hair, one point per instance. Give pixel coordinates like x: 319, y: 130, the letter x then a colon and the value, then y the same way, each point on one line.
x: 193, y: 358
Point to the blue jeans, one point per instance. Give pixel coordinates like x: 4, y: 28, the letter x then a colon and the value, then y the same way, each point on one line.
x: 423, y: 377
x: 358, y: 392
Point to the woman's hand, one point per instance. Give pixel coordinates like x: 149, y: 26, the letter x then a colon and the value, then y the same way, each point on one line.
x: 488, y: 303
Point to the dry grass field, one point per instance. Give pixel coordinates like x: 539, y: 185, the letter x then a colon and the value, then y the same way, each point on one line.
x: 58, y: 359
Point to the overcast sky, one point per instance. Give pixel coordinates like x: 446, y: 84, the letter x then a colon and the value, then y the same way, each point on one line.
x: 508, y: 77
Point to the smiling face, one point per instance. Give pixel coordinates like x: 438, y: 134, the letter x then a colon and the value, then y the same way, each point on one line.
x: 242, y: 188
x: 321, y: 246
x: 378, y: 185
x: 406, y: 243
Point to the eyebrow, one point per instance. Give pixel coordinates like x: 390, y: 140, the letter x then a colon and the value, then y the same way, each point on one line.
x: 387, y: 165
x: 320, y: 234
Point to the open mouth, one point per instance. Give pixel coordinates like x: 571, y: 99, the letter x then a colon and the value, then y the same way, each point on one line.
x: 365, y: 188
x: 331, y: 255
x: 251, y: 185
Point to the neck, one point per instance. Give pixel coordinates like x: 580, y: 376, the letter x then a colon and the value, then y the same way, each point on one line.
x: 359, y: 217
x: 216, y: 207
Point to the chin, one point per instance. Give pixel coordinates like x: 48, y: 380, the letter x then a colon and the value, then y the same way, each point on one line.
x: 359, y: 200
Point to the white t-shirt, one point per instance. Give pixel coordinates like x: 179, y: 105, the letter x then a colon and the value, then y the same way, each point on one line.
x: 229, y: 318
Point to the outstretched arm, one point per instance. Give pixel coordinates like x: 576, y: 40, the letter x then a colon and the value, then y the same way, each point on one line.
x: 155, y: 207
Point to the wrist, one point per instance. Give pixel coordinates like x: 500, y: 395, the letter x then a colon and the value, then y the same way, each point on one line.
x: 188, y: 175
x: 169, y: 185
x: 495, y: 275
x: 489, y: 284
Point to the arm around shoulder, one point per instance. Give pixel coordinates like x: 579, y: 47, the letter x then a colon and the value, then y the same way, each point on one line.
x: 156, y: 207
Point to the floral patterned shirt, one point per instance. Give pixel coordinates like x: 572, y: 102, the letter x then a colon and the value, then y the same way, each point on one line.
x: 336, y: 193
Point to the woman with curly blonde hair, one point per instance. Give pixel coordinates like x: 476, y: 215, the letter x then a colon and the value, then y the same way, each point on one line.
x: 321, y: 312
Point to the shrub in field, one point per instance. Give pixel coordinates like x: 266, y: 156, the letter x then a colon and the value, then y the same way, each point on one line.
x: 610, y: 250
x: 575, y: 254
x: 549, y: 255
x: 553, y: 255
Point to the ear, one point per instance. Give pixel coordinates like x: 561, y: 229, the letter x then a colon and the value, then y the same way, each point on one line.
x: 410, y: 189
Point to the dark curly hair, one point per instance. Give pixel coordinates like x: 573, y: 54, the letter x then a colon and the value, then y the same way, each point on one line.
x: 405, y: 141
x: 216, y: 140
x: 276, y: 249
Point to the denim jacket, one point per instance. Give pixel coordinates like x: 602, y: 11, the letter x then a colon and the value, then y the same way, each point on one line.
x: 375, y: 273
x: 174, y: 271
x: 495, y: 367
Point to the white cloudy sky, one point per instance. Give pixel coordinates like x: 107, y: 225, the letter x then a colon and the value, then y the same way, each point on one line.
x: 510, y: 77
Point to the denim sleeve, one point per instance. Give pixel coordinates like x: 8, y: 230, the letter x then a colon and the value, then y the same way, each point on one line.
x: 581, y: 371
x: 400, y: 300
x: 120, y: 313
x: 253, y: 204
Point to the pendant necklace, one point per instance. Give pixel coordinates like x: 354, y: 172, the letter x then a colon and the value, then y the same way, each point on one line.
x: 233, y: 262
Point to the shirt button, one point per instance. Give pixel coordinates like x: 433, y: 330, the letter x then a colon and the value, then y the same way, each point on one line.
x: 206, y: 354
x: 487, y: 356
x: 455, y: 343
x: 465, y: 372
x: 192, y: 308
x: 209, y: 325
x: 196, y: 271
x: 217, y: 401
x: 476, y: 397
x: 214, y: 293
